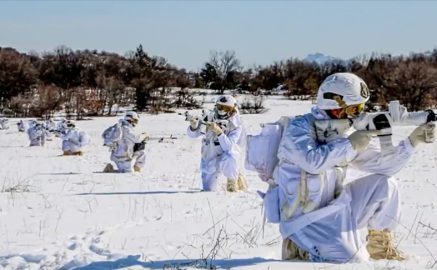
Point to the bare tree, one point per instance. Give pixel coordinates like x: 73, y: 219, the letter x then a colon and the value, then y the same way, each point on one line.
x: 226, y: 65
x: 416, y: 81
x: 46, y: 100
x: 412, y: 81
x: 113, y: 91
x: 17, y: 74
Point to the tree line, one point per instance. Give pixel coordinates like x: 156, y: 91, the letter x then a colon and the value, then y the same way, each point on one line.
x: 90, y: 83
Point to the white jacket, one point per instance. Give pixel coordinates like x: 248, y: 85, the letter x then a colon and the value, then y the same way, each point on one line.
x: 124, y: 149
x: 4, y: 123
x: 323, y: 166
x: 74, y: 139
x: 61, y: 128
x: 50, y: 125
x: 21, y: 126
x: 37, y: 135
x: 230, y: 141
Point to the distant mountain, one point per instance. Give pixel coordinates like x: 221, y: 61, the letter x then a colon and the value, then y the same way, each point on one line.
x: 320, y: 58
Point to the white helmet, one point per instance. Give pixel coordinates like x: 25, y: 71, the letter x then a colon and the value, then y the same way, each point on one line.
x: 132, y: 117
x: 225, y: 106
x: 340, y: 90
x: 70, y: 123
x: 226, y: 100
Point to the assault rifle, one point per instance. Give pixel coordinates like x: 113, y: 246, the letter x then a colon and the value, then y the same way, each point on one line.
x: 378, y: 123
x: 142, y: 145
x: 206, y: 118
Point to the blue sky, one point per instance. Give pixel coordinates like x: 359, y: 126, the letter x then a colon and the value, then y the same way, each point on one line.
x: 260, y: 32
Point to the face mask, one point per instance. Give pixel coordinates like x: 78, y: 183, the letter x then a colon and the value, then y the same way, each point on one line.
x: 221, y: 113
x: 223, y: 110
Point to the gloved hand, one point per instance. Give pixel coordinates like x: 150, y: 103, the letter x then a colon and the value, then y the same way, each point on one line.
x: 215, y: 128
x: 194, y: 123
x: 360, y: 139
x: 146, y: 137
x: 422, y: 134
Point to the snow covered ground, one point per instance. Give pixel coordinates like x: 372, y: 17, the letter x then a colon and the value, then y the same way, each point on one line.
x: 62, y: 213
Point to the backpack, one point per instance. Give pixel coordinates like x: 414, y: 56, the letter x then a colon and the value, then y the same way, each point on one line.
x: 112, y: 135
x: 261, y: 157
x: 262, y: 149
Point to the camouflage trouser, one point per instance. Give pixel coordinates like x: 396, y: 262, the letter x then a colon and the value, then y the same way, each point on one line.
x: 126, y: 164
x: 225, y: 164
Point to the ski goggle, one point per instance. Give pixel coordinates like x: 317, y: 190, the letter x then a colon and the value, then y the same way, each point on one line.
x: 351, y: 111
x: 224, y: 108
x: 132, y: 120
x: 354, y: 110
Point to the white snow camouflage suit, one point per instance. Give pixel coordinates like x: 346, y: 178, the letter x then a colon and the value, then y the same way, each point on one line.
x: 4, y: 123
x: 324, y: 224
x: 123, y: 153
x: 73, y: 140
x: 37, y: 135
x: 220, y: 154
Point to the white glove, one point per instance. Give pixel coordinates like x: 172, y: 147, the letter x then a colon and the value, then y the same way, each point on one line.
x: 215, y: 128
x: 360, y: 139
x: 422, y: 134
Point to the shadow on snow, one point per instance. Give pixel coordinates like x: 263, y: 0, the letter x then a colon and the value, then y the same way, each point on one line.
x: 168, y: 264
x: 140, y: 192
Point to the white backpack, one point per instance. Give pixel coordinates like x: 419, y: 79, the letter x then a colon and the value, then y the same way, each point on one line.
x: 261, y: 157
x: 112, y: 135
x: 262, y: 149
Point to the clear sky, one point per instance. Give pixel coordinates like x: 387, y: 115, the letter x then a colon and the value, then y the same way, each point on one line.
x: 260, y: 32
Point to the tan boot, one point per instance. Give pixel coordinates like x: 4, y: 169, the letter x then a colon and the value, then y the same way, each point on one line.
x: 78, y: 153
x: 290, y: 251
x: 380, y: 245
x: 241, y: 183
x: 67, y: 153
x: 137, y: 168
x: 231, y: 185
x: 108, y: 168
